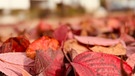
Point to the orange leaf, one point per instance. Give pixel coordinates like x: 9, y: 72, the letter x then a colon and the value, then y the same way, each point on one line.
x: 44, y: 43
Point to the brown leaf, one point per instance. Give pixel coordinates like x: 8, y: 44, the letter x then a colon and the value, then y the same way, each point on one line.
x: 117, y: 49
x: 72, y: 44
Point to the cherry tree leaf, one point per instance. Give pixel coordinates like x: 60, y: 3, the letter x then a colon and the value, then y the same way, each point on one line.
x: 130, y: 48
x: 95, y: 64
x: 117, y: 49
x: 13, y: 70
x: 15, y: 44
x: 131, y: 60
x: 61, y: 33
x: 50, y: 62
x: 43, y: 44
x: 98, y: 41
x: 127, y: 38
x: 72, y: 44
x: 16, y: 64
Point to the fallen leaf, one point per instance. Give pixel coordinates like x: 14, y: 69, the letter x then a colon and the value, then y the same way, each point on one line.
x: 117, y: 49
x: 89, y: 40
x: 99, y: 64
x: 72, y: 44
x: 50, y: 63
x: 44, y: 43
x: 130, y: 48
x: 131, y: 60
x: 61, y: 33
x: 15, y: 44
x: 14, y: 64
x: 127, y: 38
x: 113, y: 23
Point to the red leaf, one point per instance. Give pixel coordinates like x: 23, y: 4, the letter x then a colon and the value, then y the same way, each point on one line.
x: 42, y: 26
x: 131, y: 60
x: 130, y: 48
x: 15, y: 44
x: 98, y: 41
x: 50, y: 62
x: 14, y: 64
x: 61, y: 33
x: 127, y: 38
x: 94, y: 64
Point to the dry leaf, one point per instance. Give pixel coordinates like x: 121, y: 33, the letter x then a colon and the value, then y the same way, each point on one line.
x: 72, y: 44
x: 117, y: 49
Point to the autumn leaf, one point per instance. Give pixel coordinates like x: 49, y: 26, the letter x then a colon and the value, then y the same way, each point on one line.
x: 15, y: 44
x: 50, y: 62
x: 117, y: 49
x: 72, y: 44
x: 14, y: 64
x: 131, y: 60
x: 44, y: 43
x: 127, y: 38
x: 61, y: 33
x: 89, y: 40
x: 130, y: 48
x: 95, y: 64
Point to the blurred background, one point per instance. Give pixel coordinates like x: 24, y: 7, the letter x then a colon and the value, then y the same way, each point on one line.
x: 27, y: 9
x: 24, y: 16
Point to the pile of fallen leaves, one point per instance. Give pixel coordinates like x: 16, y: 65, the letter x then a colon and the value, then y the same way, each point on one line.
x: 93, y: 47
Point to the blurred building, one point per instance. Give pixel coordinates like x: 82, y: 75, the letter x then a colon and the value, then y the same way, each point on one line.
x: 89, y: 5
x: 120, y: 4
x: 15, y: 4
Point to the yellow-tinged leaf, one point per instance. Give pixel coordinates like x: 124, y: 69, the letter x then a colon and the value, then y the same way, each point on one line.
x: 117, y: 49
